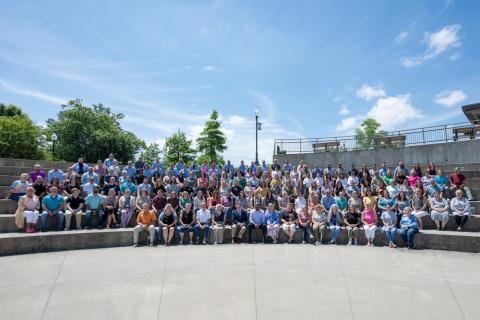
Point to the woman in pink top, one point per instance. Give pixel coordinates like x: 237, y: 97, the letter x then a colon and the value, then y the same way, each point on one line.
x: 413, y: 178
x: 369, y: 220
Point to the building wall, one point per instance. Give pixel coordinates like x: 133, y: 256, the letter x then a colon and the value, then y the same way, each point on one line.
x: 451, y: 152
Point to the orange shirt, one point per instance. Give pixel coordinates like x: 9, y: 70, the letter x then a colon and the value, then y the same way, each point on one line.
x: 146, y: 217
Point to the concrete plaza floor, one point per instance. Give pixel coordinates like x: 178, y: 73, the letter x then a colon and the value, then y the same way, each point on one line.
x: 241, y: 282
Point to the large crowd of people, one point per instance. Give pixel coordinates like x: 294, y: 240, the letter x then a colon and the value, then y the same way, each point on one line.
x: 185, y: 204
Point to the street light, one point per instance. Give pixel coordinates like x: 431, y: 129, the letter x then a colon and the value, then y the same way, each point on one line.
x: 54, y: 140
x: 258, y: 126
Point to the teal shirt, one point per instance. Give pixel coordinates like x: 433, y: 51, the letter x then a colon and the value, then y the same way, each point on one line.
x: 52, y: 203
x: 94, y: 201
x: 341, y: 203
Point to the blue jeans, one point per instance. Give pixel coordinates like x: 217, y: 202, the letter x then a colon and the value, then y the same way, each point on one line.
x: 408, y: 234
x: 88, y: 218
x: 390, y: 232
x: 190, y: 228
x: 44, y: 220
x: 198, y: 230
x: 334, y: 231
x: 306, y: 233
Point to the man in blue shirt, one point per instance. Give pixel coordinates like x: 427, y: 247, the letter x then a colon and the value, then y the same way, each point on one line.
x: 383, y: 170
x: 264, y: 166
x: 52, y: 207
x: 90, y: 174
x: 287, y: 166
x: 157, y: 166
x: 172, y: 169
x: 109, y: 161
x: 317, y: 171
x: 95, y: 204
x: 194, y: 167
x: 55, y: 173
x: 145, y: 186
x: 179, y: 165
x: 257, y: 222
x: 80, y: 168
x: 130, y: 169
x: 229, y: 169
x: 328, y: 200
x: 242, y: 167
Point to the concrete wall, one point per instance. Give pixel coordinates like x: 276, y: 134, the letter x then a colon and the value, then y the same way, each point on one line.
x: 451, y: 152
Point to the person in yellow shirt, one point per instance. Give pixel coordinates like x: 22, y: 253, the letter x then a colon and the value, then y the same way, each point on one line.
x: 145, y: 221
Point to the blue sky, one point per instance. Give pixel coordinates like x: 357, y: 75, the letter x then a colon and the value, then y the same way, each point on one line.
x: 313, y: 68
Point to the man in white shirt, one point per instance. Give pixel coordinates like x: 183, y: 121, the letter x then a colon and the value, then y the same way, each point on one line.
x: 88, y: 187
x: 204, y: 220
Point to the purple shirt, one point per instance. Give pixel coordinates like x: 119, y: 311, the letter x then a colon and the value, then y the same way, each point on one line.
x: 34, y: 174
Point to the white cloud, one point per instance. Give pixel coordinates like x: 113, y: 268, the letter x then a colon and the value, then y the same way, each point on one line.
x: 401, y: 36
x: 32, y: 93
x: 348, y: 125
x: 211, y: 68
x: 437, y: 43
x: 391, y: 112
x: 450, y: 98
x: 367, y: 92
x: 454, y: 56
x: 235, y: 120
x: 344, y: 110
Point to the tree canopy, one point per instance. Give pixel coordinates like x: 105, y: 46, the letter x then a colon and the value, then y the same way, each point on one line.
x: 366, y: 133
x: 19, y: 136
x: 212, y: 141
x: 91, y: 133
x: 177, y: 146
x: 151, y: 152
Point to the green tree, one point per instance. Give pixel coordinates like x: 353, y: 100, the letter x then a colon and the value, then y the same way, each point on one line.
x: 151, y: 152
x: 91, y: 133
x: 366, y: 133
x: 10, y: 110
x: 177, y: 146
x: 19, y: 136
x: 211, y: 141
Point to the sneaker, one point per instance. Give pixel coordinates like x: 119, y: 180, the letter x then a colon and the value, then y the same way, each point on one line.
x: 459, y: 229
x: 151, y: 244
x: 331, y: 242
x: 204, y: 241
x: 356, y: 242
x: 316, y: 242
x: 349, y: 243
x: 191, y: 242
x: 215, y: 243
x: 303, y: 242
x: 135, y: 245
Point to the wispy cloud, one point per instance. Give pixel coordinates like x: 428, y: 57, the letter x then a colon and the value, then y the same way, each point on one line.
x: 437, y: 43
x: 344, y: 110
x: 211, y: 68
x: 32, y: 93
x: 401, y: 36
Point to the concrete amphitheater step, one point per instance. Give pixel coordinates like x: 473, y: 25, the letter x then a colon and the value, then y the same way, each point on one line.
x: 17, y: 171
x: 29, y: 163
x: 21, y: 243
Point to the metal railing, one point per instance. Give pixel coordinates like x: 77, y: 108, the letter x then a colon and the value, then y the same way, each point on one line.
x: 392, y: 139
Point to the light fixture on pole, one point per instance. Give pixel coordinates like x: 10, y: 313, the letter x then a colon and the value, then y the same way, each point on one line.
x: 258, y: 126
x: 54, y: 140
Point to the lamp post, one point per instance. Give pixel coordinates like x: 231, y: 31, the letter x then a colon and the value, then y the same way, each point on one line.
x: 258, y: 126
x: 54, y: 140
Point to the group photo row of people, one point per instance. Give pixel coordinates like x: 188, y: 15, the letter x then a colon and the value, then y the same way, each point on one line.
x: 196, y: 202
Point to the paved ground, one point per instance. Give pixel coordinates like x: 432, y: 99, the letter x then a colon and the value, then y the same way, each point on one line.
x: 241, y: 282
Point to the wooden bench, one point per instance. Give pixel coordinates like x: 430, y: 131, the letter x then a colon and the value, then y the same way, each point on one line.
x: 470, y: 132
x: 326, y: 146
x: 390, y: 141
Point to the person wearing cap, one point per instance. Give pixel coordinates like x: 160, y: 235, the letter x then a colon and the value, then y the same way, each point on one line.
x: 74, y: 206
x: 439, y: 210
x: 460, y: 209
x: 457, y: 179
x: 53, y: 205
x: 37, y: 171
x: 257, y: 222
x: 145, y: 221
x: 95, y: 205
